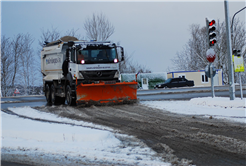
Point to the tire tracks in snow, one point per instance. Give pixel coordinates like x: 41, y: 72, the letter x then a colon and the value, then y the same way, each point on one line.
x: 179, y: 139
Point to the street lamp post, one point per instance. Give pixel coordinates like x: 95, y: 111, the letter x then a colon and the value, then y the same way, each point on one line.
x: 233, y: 20
x: 240, y: 82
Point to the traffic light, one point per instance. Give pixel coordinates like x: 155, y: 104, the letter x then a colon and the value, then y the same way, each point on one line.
x: 237, y: 53
x: 211, y: 32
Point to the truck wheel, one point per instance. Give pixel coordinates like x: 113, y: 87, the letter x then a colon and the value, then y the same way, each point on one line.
x: 47, y: 93
x: 69, y: 98
x: 54, y: 98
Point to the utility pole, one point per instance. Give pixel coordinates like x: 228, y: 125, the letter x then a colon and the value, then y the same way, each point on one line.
x: 229, y: 52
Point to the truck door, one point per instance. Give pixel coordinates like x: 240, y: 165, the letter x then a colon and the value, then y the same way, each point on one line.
x: 72, y: 62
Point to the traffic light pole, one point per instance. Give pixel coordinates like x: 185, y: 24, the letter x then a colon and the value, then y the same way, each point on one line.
x: 229, y: 52
x: 212, y: 79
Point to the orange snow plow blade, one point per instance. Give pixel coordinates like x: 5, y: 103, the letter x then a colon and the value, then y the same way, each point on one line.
x: 103, y: 93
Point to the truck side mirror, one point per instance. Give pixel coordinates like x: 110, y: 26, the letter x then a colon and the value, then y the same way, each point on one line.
x: 121, y: 52
x: 78, y: 47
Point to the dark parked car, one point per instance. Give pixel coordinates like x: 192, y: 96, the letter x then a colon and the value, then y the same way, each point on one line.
x: 175, y: 82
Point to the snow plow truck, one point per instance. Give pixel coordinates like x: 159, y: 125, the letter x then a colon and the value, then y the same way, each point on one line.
x: 84, y: 72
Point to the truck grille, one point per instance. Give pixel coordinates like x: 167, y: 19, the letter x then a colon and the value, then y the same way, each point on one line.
x: 99, y: 75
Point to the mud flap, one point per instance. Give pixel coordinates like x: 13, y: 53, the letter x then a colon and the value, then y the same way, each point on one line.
x: 102, y: 93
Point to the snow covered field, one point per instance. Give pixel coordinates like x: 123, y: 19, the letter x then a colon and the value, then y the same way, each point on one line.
x: 66, y: 141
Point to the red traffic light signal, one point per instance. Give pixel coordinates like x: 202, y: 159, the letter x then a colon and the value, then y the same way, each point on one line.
x: 211, y: 32
x: 211, y: 23
x: 212, y: 42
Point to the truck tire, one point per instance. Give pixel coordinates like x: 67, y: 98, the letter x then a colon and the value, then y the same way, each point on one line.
x: 54, y: 98
x: 69, y: 98
x: 47, y: 93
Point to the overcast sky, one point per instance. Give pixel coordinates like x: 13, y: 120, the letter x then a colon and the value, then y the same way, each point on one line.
x: 151, y: 32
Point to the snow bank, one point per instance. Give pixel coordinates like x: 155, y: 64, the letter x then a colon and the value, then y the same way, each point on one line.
x: 218, y: 107
x: 222, y: 102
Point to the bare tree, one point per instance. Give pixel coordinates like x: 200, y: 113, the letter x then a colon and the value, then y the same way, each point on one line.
x: 27, y: 63
x: 98, y: 27
x: 73, y: 33
x: 17, y: 50
x: 193, y: 56
x: 54, y: 34
x: 6, y: 66
x: 129, y: 66
x: 49, y: 35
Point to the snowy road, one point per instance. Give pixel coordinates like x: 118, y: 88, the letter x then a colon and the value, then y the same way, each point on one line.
x: 202, y: 131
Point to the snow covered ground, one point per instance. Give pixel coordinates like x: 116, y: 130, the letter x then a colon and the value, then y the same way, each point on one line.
x: 66, y: 141
x: 218, y: 107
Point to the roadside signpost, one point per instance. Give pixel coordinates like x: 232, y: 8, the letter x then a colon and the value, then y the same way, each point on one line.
x: 211, y: 57
x: 207, y: 71
x: 16, y: 92
x: 238, y: 64
x: 238, y: 61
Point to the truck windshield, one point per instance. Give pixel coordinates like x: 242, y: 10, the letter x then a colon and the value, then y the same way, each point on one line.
x: 90, y: 56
